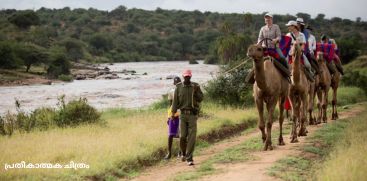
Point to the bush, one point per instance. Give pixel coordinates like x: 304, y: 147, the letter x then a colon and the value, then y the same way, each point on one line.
x: 66, y: 78
x: 193, y: 62
x: 349, y: 95
x: 230, y: 88
x: 59, y: 65
x: 356, y: 79
x: 76, y: 112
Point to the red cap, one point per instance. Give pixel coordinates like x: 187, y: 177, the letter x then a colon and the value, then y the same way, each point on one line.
x: 186, y: 73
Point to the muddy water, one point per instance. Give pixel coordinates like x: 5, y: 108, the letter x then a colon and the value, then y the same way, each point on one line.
x: 130, y: 91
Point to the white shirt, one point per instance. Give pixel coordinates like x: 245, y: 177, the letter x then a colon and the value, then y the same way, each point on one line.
x: 312, y: 43
x: 300, y: 39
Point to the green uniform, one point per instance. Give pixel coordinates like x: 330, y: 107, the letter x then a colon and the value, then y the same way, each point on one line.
x: 187, y: 98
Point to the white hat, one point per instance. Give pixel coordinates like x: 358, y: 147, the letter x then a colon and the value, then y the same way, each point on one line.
x: 300, y: 21
x: 291, y: 23
x: 269, y: 15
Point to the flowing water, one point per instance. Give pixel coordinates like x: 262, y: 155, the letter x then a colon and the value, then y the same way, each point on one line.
x: 129, y: 91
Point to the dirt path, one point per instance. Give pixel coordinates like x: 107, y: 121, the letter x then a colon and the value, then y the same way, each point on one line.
x: 250, y: 170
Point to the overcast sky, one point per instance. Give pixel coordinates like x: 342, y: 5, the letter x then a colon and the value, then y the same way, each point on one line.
x: 350, y: 9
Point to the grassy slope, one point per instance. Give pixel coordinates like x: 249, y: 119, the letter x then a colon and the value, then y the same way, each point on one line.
x: 340, y: 143
x: 129, y: 137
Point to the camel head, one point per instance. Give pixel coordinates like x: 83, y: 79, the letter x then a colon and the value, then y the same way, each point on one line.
x: 320, y: 58
x: 296, y: 50
x: 255, y: 51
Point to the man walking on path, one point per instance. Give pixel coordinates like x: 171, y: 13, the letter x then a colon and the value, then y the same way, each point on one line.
x: 187, y: 98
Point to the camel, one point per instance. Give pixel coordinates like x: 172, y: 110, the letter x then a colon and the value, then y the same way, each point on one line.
x: 322, y: 88
x: 334, y: 85
x: 298, y: 92
x: 271, y: 88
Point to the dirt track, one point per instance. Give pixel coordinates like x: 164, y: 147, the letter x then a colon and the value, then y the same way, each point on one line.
x: 250, y: 170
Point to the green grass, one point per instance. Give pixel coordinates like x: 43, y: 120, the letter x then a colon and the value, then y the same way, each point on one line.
x: 347, y: 161
x: 331, y: 143
x: 348, y: 95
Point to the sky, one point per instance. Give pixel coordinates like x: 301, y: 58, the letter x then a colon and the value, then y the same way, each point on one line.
x: 348, y: 9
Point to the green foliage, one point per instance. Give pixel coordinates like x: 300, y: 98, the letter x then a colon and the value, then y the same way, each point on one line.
x: 31, y: 54
x: 76, y: 112
x: 8, y: 59
x: 25, y: 19
x: 66, y: 78
x: 74, y: 49
x: 59, y: 65
x: 73, y: 113
x: 230, y: 88
x: 123, y: 34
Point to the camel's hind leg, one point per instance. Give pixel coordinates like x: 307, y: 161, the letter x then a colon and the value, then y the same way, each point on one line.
x: 334, y: 115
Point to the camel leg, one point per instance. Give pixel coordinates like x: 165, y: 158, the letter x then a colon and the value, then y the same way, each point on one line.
x: 303, y: 118
x: 334, y: 103
x: 319, y: 102
x: 294, y: 119
x: 281, y: 119
x: 270, y: 107
x: 261, y: 123
x: 311, y: 104
x: 324, y: 105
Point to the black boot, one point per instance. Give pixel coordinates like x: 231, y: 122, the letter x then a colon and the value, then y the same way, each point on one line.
x: 339, y: 67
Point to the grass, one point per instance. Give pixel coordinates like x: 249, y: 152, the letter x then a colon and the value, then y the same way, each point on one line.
x: 348, y: 159
x: 348, y: 95
x: 333, y: 143
x: 130, y: 138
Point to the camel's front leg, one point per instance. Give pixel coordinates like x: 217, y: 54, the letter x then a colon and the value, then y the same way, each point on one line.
x: 303, y: 118
x: 261, y: 123
x: 281, y: 119
x: 293, y: 100
x: 270, y: 107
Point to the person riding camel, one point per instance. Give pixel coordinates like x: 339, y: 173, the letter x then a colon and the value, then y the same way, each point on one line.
x: 326, y: 40
x: 269, y: 36
x: 307, y: 48
x: 312, y: 49
x: 298, y: 37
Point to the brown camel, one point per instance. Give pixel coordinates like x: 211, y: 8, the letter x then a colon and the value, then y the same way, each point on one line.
x: 298, y: 92
x: 322, y: 88
x: 334, y: 85
x: 270, y: 87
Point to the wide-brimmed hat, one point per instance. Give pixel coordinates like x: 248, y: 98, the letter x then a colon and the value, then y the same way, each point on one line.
x: 300, y: 21
x: 268, y: 15
x: 186, y: 73
x: 291, y: 23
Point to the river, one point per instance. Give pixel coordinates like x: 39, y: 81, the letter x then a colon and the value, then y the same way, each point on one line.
x: 137, y: 92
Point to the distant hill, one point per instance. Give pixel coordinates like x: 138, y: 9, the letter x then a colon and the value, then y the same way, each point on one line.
x: 125, y: 34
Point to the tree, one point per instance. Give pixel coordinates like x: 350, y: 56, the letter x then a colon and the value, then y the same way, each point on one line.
x: 31, y: 55
x: 101, y: 41
x: 59, y: 65
x: 25, y: 19
x: 8, y: 58
x: 74, y: 49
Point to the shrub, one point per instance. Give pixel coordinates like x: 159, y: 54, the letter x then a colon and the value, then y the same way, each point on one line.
x: 356, y: 79
x: 76, y: 112
x: 43, y: 118
x: 66, y: 78
x: 230, y: 88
